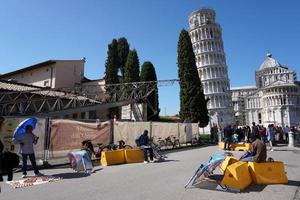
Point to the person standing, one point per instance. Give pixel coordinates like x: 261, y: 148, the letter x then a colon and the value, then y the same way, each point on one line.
x: 270, y: 136
x: 254, y: 130
x: 8, y: 160
x: 262, y: 133
x: 227, y: 137
x: 26, y: 142
x: 286, y: 131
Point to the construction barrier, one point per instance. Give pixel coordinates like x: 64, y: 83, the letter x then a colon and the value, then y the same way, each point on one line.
x: 268, y: 172
x: 134, y: 155
x: 236, y: 146
x: 229, y: 160
x: 112, y: 157
x: 237, y: 176
x: 240, y: 147
x: 221, y: 145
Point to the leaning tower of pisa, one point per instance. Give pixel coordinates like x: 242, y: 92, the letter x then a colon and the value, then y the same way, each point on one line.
x: 206, y: 36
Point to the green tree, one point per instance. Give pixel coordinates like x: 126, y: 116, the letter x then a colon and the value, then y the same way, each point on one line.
x: 193, y: 105
x: 123, y: 50
x: 111, y: 72
x: 148, y: 74
x: 132, y: 68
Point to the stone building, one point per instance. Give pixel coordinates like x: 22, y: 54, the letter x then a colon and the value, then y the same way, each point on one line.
x: 50, y: 73
x: 206, y: 37
x: 274, y: 100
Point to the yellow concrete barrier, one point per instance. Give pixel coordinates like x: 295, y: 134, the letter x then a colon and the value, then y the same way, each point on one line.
x: 240, y: 147
x: 237, y: 176
x: 134, y: 155
x: 229, y: 160
x: 221, y: 145
x: 236, y: 147
x: 112, y: 157
x: 267, y: 172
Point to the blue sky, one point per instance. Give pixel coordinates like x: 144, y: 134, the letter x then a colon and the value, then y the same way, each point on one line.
x: 33, y: 31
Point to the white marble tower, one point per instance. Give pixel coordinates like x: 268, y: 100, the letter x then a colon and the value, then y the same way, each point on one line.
x: 206, y: 36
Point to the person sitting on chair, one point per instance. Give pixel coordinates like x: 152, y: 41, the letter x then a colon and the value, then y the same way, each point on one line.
x: 144, y: 143
x: 257, y: 152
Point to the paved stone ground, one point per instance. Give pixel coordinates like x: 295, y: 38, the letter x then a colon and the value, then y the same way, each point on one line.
x: 164, y: 180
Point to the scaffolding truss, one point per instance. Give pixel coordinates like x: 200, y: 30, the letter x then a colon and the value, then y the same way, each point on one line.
x: 59, y: 102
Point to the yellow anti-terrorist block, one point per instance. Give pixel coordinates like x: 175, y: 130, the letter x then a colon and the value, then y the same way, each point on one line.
x: 229, y: 160
x: 237, y: 176
x: 241, y: 147
x: 221, y: 145
x: 112, y: 157
x: 134, y: 155
x: 268, y: 172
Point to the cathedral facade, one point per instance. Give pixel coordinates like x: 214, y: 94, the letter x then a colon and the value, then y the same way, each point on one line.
x: 274, y: 100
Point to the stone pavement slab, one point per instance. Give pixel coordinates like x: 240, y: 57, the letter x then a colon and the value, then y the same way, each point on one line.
x: 164, y: 180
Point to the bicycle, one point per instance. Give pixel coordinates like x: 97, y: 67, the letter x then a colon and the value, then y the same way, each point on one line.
x: 111, y: 147
x: 172, y: 141
x: 196, y: 140
x: 160, y: 143
x: 88, y: 146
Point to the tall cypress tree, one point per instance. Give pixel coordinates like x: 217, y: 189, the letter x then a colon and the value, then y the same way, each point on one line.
x: 111, y: 64
x: 123, y: 50
x: 148, y: 74
x: 111, y: 71
x: 193, y: 105
x: 132, y: 68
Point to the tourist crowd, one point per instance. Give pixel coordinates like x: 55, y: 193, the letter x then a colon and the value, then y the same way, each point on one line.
x: 271, y: 134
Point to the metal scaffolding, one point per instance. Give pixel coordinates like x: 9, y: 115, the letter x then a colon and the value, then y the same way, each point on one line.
x: 29, y: 101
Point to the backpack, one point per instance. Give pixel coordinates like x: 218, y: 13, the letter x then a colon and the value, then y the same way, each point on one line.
x: 137, y: 140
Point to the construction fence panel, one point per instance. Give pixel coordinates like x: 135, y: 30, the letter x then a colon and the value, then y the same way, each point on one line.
x: 164, y: 130
x: 9, y: 127
x: 188, y: 131
x: 128, y: 131
x: 67, y: 135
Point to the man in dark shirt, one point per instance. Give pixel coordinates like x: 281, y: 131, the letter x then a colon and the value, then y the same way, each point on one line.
x: 254, y: 130
x: 144, y: 143
x: 227, y: 137
x: 257, y: 152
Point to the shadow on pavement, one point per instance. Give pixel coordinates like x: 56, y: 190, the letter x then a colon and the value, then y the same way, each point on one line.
x: 212, y: 183
x: 294, y: 183
x: 254, y: 188
x: 96, y: 170
x: 164, y: 161
x: 70, y: 175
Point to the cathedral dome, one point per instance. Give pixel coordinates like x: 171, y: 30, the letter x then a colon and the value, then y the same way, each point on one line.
x: 269, y: 62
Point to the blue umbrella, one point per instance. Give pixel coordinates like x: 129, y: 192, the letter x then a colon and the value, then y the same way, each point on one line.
x: 21, y: 128
x: 205, y: 170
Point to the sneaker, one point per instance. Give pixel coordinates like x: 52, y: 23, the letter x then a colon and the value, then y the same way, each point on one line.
x: 146, y: 161
x: 24, y: 176
x: 39, y: 174
x: 272, y: 150
x: 152, y: 161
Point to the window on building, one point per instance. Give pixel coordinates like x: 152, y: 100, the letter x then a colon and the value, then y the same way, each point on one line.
x: 259, y: 118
